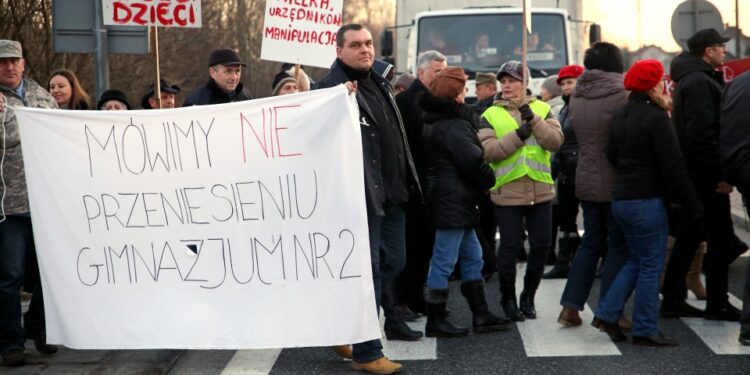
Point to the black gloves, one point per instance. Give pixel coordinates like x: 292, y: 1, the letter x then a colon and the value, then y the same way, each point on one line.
x: 526, y: 114
x: 524, y: 131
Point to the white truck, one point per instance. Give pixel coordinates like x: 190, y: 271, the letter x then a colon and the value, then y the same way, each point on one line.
x: 484, y: 35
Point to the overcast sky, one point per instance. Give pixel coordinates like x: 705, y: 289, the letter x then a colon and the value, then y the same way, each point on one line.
x: 620, y: 20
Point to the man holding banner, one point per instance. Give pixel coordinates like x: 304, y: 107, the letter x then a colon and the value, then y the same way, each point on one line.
x: 223, y: 86
x: 16, y: 238
x: 389, y: 172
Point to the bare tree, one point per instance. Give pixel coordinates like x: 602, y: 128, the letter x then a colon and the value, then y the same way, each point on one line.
x: 183, y: 53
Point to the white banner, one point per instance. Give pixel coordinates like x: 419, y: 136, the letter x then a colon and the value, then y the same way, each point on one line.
x: 162, y: 13
x: 233, y: 226
x: 301, y: 31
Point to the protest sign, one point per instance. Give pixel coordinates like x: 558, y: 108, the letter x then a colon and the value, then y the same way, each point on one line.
x: 162, y: 13
x: 241, y: 225
x: 301, y: 31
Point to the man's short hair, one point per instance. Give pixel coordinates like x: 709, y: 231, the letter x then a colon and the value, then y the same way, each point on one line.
x: 343, y: 30
x: 426, y: 57
x: 550, y: 84
x: 604, y: 56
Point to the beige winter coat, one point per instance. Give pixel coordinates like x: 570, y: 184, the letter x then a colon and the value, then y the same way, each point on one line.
x: 548, y: 133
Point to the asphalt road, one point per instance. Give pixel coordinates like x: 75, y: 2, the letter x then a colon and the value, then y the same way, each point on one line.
x: 532, y: 347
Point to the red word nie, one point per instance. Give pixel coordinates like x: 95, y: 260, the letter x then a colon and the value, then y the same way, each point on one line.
x: 150, y: 12
x: 269, y: 138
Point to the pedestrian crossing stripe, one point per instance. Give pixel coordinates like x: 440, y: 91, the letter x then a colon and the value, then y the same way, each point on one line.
x: 719, y: 336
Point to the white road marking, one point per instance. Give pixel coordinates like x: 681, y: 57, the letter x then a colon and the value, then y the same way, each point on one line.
x: 544, y: 337
x: 252, y: 362
x: 424, y: 349
x: 719, y: 336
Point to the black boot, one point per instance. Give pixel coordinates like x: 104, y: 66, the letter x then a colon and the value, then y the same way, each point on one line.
x: 483, y: 320
x: 437, y: 325
x: 398, y: 330
x: 567, y: 246
x: 508, y: 298
x: 530, y: 284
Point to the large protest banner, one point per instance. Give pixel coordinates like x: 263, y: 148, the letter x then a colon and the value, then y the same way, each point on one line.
x: 301, y: 31
x: 230, y: 226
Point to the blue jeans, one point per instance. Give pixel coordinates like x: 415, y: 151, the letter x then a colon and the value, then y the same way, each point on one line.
x: 16, y: 244
x: 645, y: 224
x: 450, y: 245
x: 387, y: 256
x: 601, y: 235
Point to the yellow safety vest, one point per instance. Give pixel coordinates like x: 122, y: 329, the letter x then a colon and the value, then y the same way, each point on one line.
x: 530, y: 160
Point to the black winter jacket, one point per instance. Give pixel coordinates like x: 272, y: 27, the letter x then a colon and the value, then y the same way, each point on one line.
x: 481, y: 105
x: 457, y: 174
x: 211, y: 93
x: 735, y: 133
x: 564, y: 161
x: 370, y: 142
x: 697, y: 104
x: 413, y: 123
x: 643, y: 148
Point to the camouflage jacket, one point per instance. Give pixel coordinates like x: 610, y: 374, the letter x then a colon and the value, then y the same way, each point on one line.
x: 16, y: 198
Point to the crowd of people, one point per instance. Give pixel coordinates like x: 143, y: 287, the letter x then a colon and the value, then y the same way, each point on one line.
x: 443, y: 177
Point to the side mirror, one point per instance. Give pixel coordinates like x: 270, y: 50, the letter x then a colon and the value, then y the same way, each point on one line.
x: 595, y: 33
x: 386, y: 43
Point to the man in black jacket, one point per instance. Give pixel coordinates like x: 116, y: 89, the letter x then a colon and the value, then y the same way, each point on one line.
x: 389, y: 172
x: 735, y: 155
x: 224, y: 86
x: 697, y: 101
x: 486, y: 89
x: 564, y: 163
x: 420, y: 231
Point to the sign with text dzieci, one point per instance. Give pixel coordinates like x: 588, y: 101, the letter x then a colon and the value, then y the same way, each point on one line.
x: 162, y: 13
x: 301, y: 31
x: 234, y: 226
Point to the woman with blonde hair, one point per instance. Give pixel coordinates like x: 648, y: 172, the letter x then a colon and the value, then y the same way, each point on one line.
x: 643, y: 148
x: 67, y: 91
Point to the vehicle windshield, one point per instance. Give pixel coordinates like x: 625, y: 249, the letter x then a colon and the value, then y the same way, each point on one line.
x: 483, y: 42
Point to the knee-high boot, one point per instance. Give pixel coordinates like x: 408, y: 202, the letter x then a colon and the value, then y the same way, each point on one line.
x: 483, y: 320
x: 693, y: 277
x: 437, y: 325
x: 508, y: 298
x: 567, y: 245
x: 530, y: 284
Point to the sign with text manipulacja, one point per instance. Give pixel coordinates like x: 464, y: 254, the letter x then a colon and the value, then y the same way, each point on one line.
x: 235, y: 226
x: 162, y: 13
x: 301, y: 31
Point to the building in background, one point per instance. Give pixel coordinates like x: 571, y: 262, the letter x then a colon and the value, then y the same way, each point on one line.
x: 650, y: 52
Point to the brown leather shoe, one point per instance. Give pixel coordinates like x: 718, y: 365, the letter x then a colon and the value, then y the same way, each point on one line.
x: 344, y: 351
x: 625, y: 324
x: 381, y: 365
x: 569, y: 317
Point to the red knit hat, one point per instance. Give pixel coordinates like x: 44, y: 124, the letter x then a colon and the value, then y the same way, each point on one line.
x: 569, y: 71
x: 644, y: 75
x: 449, y: 83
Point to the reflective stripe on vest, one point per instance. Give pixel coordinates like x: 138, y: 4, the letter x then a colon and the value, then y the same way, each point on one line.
x: 530, y: 160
